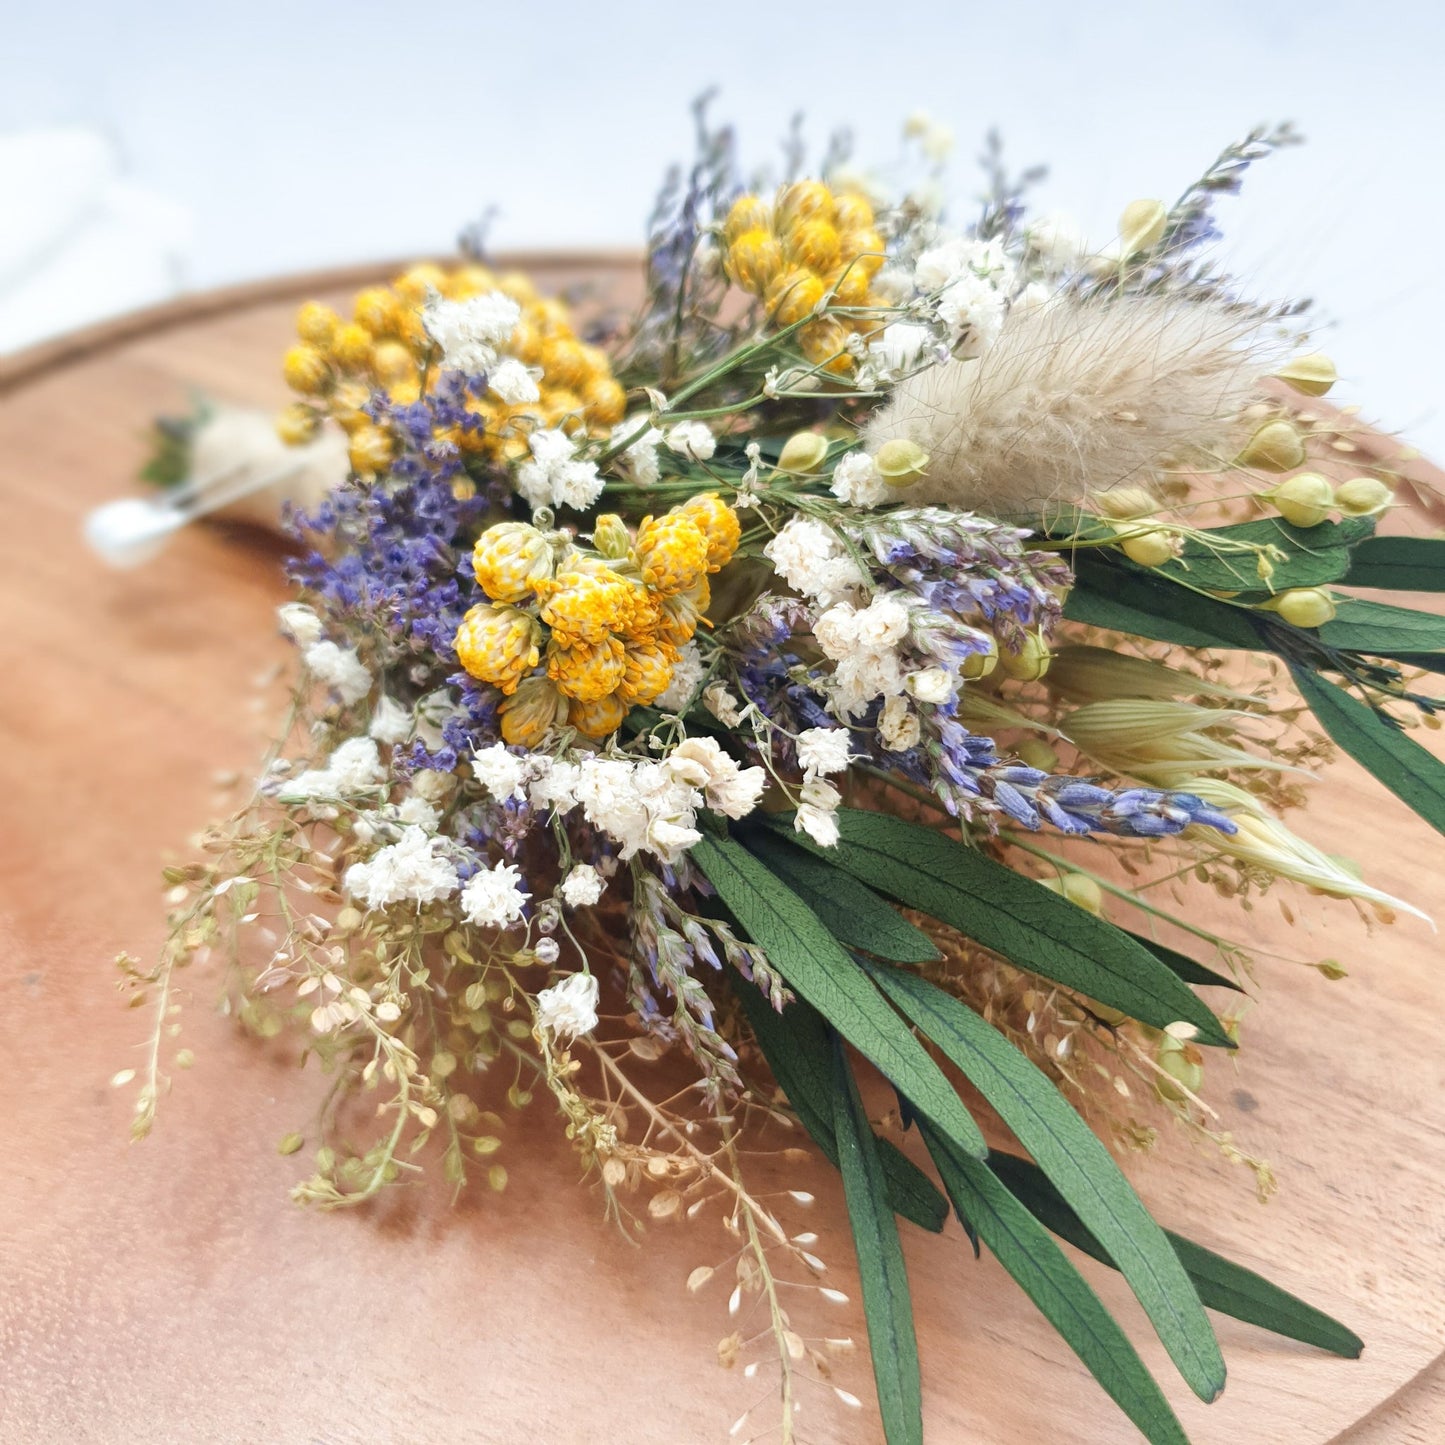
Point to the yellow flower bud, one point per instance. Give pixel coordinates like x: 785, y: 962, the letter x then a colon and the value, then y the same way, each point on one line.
x: 803, y: 201
x: 530, y: 713
x: 597, y: 719
x: 412, y: 286
x: 718, y: 523
x: 901, y: 462
x: 1036, y: 753
x: 1141, y: 226
x: 1152, y: 547
x: 316, y: 324
x: 587, y: 671
x: 864, y: 250
x: 392, y: 362
x: 297, y: 424
x: 510, y: 559
x: 305, y: 370
x: 853, y: 213
x: 370, y: 450
x: 1275, y: 447
x: 611, y: 537
x: 1313, y: 375
x: 793, y: 296
x: 1122, y: 503
x: 377, y: 309
x: 1363, y: 497
x: 813, y: 244
x: 671, y: 552
x: 1304, y: 500
x: 754, y: 260
x: 1304, y: 606
x: 347, y: 399
x: 606, y: 400
x: 749, y: 213
x: 980, y: 664
x: 499, y: 645
x: 1078, y: 888
x: 803, y: 452
x: 351, y: 347
x: 648, y: 673
x: 1030, y: 662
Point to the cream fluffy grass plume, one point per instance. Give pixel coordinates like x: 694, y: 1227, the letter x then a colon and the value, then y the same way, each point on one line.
x: 1077, y: 397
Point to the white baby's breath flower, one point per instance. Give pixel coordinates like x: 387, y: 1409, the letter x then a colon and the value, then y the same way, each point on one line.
x: 417, y: 811
x: 582, y: 886
x: 501, y: 773
x: 491, y: 897
x: 554, y: 784
x: 900, y: 346
x: 514, y: 382
x: 410, y: 870
x: 687, y: 673
x: 553, y: 477
x: 898, y: 725
x: 728, y: 789
x: 692, y: 439
x: 817, y: 814
x: 857, y: 482
x: 340, y: 669
x: 1056, y: 240
x: 300, y: 623
x: 823, y: 750
x: 390, y: 723
x: 469, y: 331
x: 639, y: 459
x: 433, y: 784
x: 354, y: 767
x: 808, y: 555
x: 930, y: 684
x: 974, y: 305
x: 722, y: 704
x: 569, y: 1008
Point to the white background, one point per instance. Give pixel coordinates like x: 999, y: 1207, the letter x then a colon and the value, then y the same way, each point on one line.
x: 210, y: 144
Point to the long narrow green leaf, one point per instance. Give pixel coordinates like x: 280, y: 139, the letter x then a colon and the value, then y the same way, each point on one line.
x: 1311, y: 555
x: 1382, y: 630
x: 1042, y: 1271
x: 853, y: 913
x: 1224, y: 1286
x: 1115, y: 594
x: 818, y: 969
x: 887, y: 1306
x: 1401, y: 564
x: 1082, y: 1169
x: 797, y: 1047
x: 1185, y: 967
x: 1399, y: 762
x: 1002, y: 910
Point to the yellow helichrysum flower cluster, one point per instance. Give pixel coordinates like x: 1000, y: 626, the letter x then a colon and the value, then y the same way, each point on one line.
x: 337, y: 364
x: 577, y: 637
x: 807, y: 244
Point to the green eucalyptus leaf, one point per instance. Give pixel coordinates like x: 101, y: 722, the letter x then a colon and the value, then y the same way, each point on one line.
x: 852, y: 912
x: 1398, y: 761
x: 818, y: 969
x: 1030, y: 926
x: 1381, y: 630
x: 1400, y: 564
x: 1079, y: 1166
x: 1224, y: 1286
x: 1040, y: 1268
x: 887, y: 1305
x: 1185, y: 967
x: 1313, y: 556
x: 798, y: 1049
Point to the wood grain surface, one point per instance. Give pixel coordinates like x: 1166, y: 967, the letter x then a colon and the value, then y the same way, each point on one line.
x: 169, y: 1291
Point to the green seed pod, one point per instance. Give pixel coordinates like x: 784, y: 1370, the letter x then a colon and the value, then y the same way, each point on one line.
x: 1036, y: 753
x: 980, y: 664
x: 901, y: 463
x: 1313, y: 375
x: 1151, y: 548
x: 1275, y: 447
x: 1079, y: 889
x: 1304, y: 500
x: 1180, y: 1061
x: 1030, y: 662
x: 1305, y: 606
x: 1141, y: 226
x: 1125, y: 503
x: 1363, y: 497
x: 611, y: 538
x: 803, y: 452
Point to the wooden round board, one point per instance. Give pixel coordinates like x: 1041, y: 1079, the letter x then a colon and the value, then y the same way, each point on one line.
x: 170, y: 1291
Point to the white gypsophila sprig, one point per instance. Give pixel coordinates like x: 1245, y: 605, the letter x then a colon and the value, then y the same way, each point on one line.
x: 553, y: 477
x: 411, y: 870
x: 857, y: 481
x: 569, y: 1009
x: 390, y: 723
x: 501, y: 772
x: 354, y: 767
x: 468, y: 332
x: 493, y: 897
x: 338, y: 668
x: 582, y: 887
x: 639, y: 458
x: 810, y: 557
x: 823, y: 750
x: 692, y: 439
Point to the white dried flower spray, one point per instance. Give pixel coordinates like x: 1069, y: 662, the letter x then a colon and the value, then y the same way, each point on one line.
x: 569, y: 1008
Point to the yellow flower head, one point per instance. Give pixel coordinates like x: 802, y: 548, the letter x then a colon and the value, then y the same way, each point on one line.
x: 587, y: 606
x: 305, y: 370
x: 510, y: 559
x: 531, y: 712
x: 597, y: 719
x: 498, y: 645
x: 648, y: 673
x: 316, y: 324
x: 672, y: 551
x: 718, y: 523
x: 587, y: 671
x: 682, y: 613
